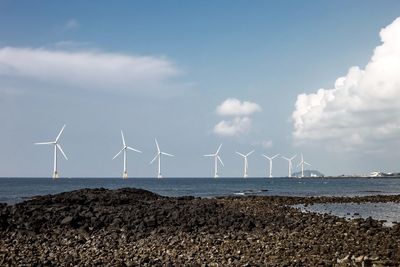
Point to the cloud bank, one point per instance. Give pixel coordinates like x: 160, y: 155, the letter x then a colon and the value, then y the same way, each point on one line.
x: 240, y: 111
x: 363, y: 108
x: 94, y: 70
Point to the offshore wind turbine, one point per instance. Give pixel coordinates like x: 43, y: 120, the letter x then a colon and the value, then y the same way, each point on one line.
x: 56, y: 148
x: 124, y: 149
x: 302, y: 162
x: 270, y: 163
x: 246, y: 163
x: 216, y: 159
x: 158, y: 155
x: 290, y: 164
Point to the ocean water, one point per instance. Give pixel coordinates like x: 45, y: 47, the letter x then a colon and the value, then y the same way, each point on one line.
x: 13, y: 190
x: 388, y: 212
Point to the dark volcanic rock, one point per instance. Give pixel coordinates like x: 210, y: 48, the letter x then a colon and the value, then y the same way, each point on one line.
x: 130, y: 227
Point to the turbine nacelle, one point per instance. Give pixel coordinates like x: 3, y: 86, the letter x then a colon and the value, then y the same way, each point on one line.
x: 270, y: 162
x: 246, y: 164
x: 302, y: 163
x: 290, y: 164
x: 57, y: 147
x: 158, y: 156
x: 216, y: 159
x: 124, y: 149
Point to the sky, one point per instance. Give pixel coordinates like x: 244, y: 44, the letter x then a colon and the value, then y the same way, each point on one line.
x: 313, y: 77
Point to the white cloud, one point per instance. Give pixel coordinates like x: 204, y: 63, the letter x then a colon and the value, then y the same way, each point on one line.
x: 234, y: 127
x: 92, y: 70
x: 240, y: 111
x: 363, y: 108
x: 234, y: 107
x: 71, y: 25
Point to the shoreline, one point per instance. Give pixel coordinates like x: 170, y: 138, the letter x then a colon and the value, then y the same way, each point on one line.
x: 130, y: 227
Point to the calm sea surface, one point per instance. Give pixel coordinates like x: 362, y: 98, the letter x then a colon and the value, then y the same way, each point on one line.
x: 14, y: 190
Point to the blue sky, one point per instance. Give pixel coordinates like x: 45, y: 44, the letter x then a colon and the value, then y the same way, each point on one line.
x: 67, y: 63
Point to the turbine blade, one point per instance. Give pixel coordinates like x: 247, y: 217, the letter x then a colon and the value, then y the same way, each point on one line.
x: 275, y: 156
x: 58, y: 136
x: 45, y: 143
x: 220, y: 160
x: 123, y: 138
x: 286, y: 158
x: 158, y: 148
x: 130, y: 148
x: 118, y: 153
x: 266, y: 157
x: 251, y: 152
x: 292, y: 158
x: 218, y: 149
x: 158, y: 154
x: 62, y: 152
x: 166, y: 154
x: 209, y: 155
x: 307, y: 163
x: 298, y: 165
x: 240, y: 154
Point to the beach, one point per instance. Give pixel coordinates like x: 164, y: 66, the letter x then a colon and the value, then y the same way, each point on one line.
x: 135, y: 227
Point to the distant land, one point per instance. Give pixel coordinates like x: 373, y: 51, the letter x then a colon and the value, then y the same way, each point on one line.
x: 309, y: 173
x: 372, y: 175
x: 376, y: 174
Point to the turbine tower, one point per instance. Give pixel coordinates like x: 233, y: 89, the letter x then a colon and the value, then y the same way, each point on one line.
x: 246, y: 163
x: 270, y: 163
x: 56, y: 147
x: 290, y: 164
x: 124, y: 148
x: 216, y: 159
x: 158, y: 155
x: 302, y: 162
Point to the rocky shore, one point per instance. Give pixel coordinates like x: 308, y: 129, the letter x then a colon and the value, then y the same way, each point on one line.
x: 132, y: 227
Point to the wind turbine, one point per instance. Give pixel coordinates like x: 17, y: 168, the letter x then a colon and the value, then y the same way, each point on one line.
x: 56, y: 147
x: 246, y: 164
x: 158, y: 155
x: 216, y: 159
x: 124, y: 148
x: 302, y: 162
x: 270, y: 163
x: 290, y: 164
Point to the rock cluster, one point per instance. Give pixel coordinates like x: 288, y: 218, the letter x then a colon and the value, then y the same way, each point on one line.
x: 131, y: 227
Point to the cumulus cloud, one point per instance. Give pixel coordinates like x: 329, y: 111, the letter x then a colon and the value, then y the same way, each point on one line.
x: 71, y: 25
x: 90, y: 69
x: 363, y: 108
x: 234, y: 107
x: 234, y: 127
x: 240, y: 121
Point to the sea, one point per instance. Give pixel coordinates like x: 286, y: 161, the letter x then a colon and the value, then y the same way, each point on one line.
x: 14, y: 190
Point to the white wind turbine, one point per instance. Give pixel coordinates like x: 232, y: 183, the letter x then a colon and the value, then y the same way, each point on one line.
x: 158, y: 155
x: 246, y: 163
x: 216, y: 159
x: 124, y: 148
x: 290, y: 164
x: 56, y: 147
x: 270, y: 163
x: 302, y: 162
